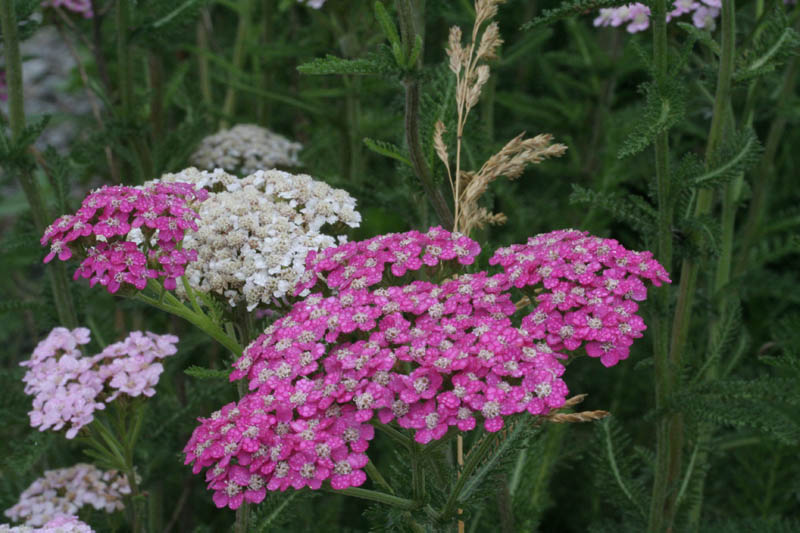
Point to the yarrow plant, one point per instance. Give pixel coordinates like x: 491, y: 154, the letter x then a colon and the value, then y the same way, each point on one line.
x: 246, y: 148
x: 67, y: 388
x: 254, y: 234
x: 54, y: 500
x: 426, y: 356
x: 637, y: 15
x: 127, y: 235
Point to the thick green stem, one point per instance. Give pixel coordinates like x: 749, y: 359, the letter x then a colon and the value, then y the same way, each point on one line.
x: 57, y: 273
x: 665, y: 373
x: 670, y: 431
x: 242, y: 33
x: 409, y: 16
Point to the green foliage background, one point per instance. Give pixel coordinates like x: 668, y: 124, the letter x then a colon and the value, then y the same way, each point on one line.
x: 328, y: 79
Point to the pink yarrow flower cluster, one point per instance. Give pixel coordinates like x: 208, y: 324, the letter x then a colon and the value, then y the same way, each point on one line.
x: 127, y: 235
x: 591, y: 286
x: 83, y: 7
x: 67, y: 388
x: 426, y: 356
x: 56, y: 498
x: 637, y: 15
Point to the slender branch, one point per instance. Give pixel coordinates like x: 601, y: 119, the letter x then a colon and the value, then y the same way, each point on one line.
x: 409, y: 33
x: 124, y: 59
x: 375, y: 475
x: 242, y: 33
x: 375, y: 496
x: 765, y: 171
x: 16, y: 118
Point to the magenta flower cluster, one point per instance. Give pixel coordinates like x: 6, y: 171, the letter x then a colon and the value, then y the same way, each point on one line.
x: 426, y: 356
x: 67, y: 387
x: 590, y: 289
x: 127, y: 235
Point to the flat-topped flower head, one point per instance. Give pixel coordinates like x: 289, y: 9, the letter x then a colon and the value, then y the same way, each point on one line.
x: 128, y: 235
x: 590, y: 289
x: 246, y: 148
x: 363, y: 264
x: 63, y: 492
x: 68, y: 387
x: 253, y: 237
x: 430, y: 357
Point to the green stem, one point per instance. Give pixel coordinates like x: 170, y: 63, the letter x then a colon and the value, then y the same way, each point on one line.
x: 476, y: 455
x: 202, y: 61
x: 124, y: 59
x: 417, y: 474
x: 670, y: 432
x: 375, y: 475
x: 375, y: 496
x: 394, y: 434
x: 665, y: 374
x: 171, y: 304
x: 408, y: 17
x: 765, y: 171
x: 57, y: 273
x: 242, y: 33
x: 155, y: 67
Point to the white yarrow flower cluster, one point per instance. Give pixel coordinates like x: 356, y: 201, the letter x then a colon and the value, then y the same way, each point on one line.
x: 244, y: 149
x: 253, y: 238
x: 211, y: 180
x: 64, y: 491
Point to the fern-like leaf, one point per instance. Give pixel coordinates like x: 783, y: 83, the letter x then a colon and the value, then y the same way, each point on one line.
x: 569, y: 9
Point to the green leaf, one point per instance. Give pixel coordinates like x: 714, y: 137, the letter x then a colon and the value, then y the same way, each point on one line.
x: 736, y: 157
x: 415, y: 52
x: 569, y: 9
x: 630, y: 209
x: 200, y: 372
x: 331, y: 64
x: 388, y: 149
x: 775, y: 44
x: 662, y: 111
x: 389, y: 31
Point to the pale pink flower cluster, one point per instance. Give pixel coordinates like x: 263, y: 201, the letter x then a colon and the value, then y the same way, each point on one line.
x: 60, y: 524
x: 100, y: 233
x: 67, y: 388
x: 637, y: 15
x: 61, y: 493
x: 427, y: 356
x: 83, y: 7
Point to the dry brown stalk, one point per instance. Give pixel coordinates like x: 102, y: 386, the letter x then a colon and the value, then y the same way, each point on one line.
x: 575, y: 400
x: 468, y: 63
x: 571, y: 418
